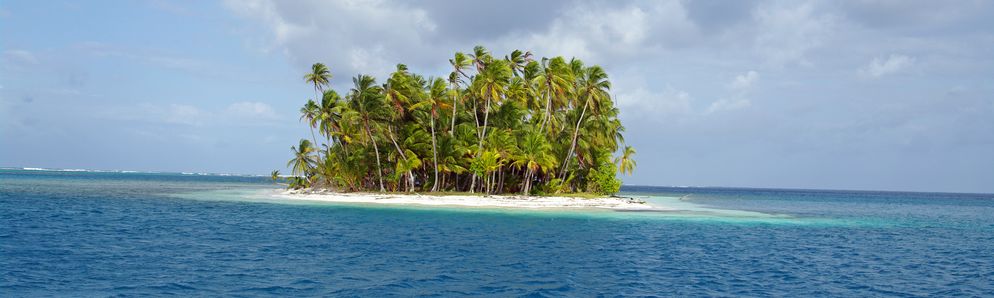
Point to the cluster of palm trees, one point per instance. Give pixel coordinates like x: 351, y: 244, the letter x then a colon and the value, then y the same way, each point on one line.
x: 494, y: 125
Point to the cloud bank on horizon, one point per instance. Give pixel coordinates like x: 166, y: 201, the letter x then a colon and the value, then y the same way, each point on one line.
x: 893, y: 95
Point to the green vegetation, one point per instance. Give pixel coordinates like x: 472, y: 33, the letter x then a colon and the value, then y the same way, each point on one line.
x: 494, y: 125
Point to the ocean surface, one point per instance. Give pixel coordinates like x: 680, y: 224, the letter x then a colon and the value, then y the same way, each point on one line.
x: 79, y: 233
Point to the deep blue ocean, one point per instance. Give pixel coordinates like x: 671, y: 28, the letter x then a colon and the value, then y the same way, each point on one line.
x: 108, y: 234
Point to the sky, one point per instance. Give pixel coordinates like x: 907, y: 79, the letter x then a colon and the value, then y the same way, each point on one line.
x: 866, y: 95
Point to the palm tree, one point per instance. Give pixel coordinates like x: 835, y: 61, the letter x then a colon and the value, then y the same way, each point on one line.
x: 517, y: 114
x: 310, y: 112
x: 593, y: 89
x: 490, y: 85
x: 302, y: 162
x: 518, y: 60
x: 459, y: 63
x: 275, y: 175
x: 533, y: 156
x: 436, y: 92
x: 626, y: 163
x: 555, y: 82
x: 320, y: 76
x: 451, y: 151
x: 481, y: 58
x: 367, y: 103
x: 397, y: 90
x: 330, y: 115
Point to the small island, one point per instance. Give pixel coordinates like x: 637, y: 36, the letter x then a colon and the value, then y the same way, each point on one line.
x: 507, y: 131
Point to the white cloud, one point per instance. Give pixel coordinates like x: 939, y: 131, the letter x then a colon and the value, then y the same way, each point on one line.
x: 238, y: 113
x: 182, y: 114
x: 740, y: 87
x: 247, y: 110
x: 728, y: 105
x: 154, y: 58
x: 956, y: 91
x: 336, y: 32
x: 20, y: 57
x: 598, y: 32
x: 363, y: 37
x: 584, y: 31
x: 654, y: 105
x: 369, y: 60
x: 156, y: 113
x: 786, y: 34
x: 745, y: 81
x: 893, y: 64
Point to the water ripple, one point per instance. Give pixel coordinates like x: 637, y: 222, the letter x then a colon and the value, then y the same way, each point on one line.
x: 110, y: 237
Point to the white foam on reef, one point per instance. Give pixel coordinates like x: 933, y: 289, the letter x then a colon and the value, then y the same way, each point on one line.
x: 653, y: 208
x: 133, y: 172
x: 73, y: 170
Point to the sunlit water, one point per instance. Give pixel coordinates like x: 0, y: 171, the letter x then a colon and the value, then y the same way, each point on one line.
x: 98, y: 234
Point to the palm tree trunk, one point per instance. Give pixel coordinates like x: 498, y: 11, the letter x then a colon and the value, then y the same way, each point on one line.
x: 486, y: 116
x: 527, y: 182
x: 312, y: 136
x: 379, y: 168
x: 410, y: 176
x: 500, y: 186
x: 490, y: 182
x: 316, y: 97
x: 572, y: 146
x: 455, y: 105
x: 548, y: 108
x: 493, y: 182
x: 472, y: 184
x: 442, y: 182
x: 434, y: 153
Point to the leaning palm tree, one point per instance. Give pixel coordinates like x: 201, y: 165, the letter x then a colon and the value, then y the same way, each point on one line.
x: 366, y: 100
x: 302, y: 162
x: 593, y: 89
x: 626, y: 163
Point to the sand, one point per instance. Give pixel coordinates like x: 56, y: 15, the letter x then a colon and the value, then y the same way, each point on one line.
x: 500, y: 201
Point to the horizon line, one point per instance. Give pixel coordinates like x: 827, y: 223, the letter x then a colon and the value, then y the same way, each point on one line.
x: 629, y: 185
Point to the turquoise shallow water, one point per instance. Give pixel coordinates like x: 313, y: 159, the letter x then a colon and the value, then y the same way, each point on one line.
x: 99, y: 234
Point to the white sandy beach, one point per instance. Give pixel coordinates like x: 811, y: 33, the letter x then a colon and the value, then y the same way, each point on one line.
x: 502, y: 201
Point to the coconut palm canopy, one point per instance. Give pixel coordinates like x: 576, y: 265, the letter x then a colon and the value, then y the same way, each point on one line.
x: 492, y: 125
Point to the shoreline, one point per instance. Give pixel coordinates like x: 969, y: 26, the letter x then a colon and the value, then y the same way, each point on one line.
x: 499, y: 201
